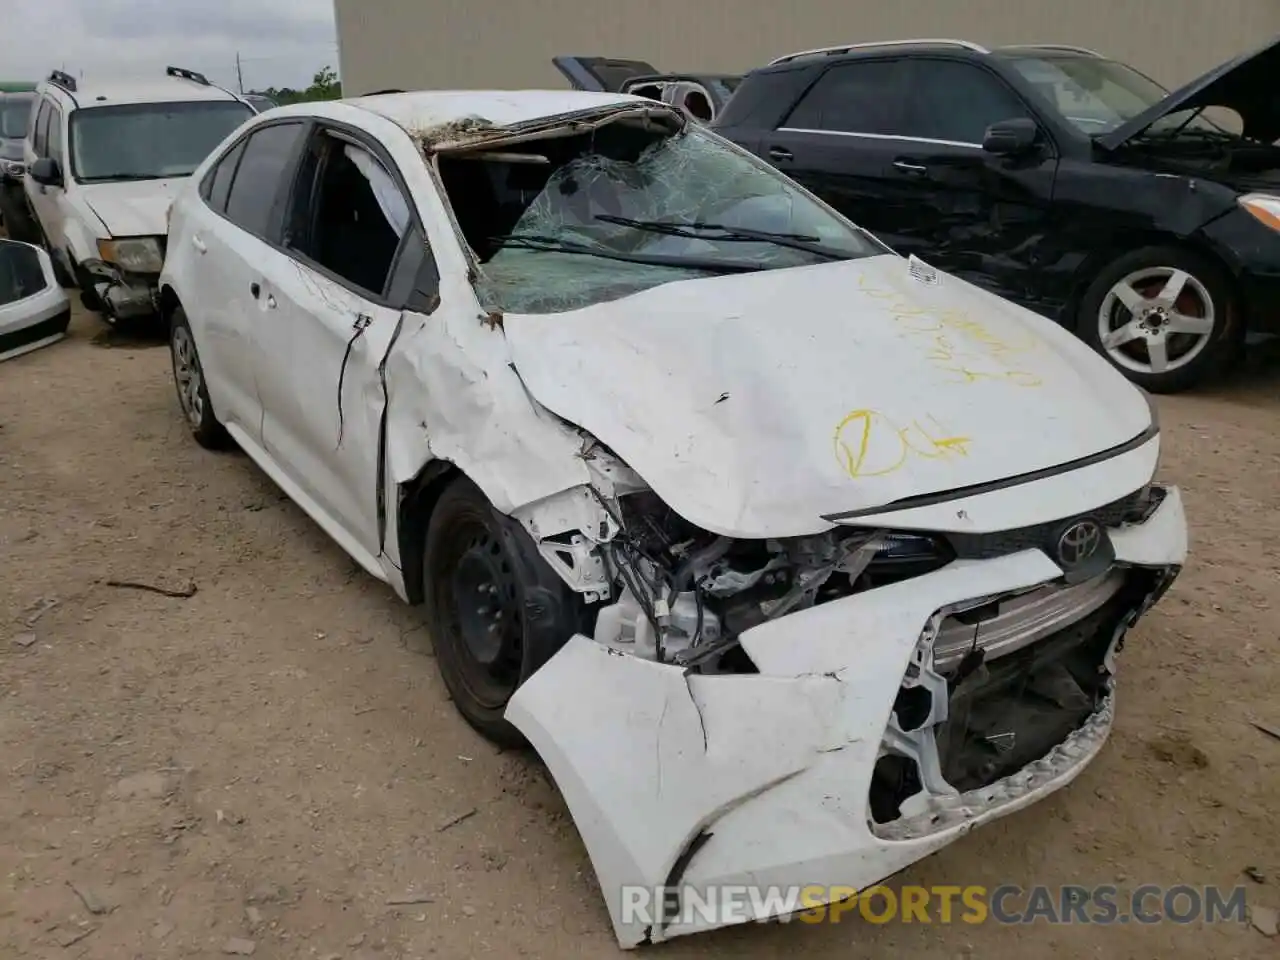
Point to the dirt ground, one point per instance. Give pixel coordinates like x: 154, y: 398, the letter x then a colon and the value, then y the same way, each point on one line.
x: 274, y: 759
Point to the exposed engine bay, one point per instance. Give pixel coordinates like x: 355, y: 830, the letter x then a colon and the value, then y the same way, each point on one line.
x: 684, y: 596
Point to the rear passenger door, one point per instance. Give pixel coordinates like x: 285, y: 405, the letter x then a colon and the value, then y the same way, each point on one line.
x: 233, y: 236
x: 977, y: 215
x: 841, y: 140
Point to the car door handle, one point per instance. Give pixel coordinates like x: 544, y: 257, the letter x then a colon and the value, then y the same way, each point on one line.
x: 198, y: 243
x: 913, y: 169
x: 780, y: 153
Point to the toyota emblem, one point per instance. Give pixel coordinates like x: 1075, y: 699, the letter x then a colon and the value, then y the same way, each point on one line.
x: 1079, y: 542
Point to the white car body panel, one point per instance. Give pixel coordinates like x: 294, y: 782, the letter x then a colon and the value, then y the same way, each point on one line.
x: 684, y: 756
x: 37, y: 320
x: 886, y: 388
x: 771, y: 405
x: 132, y: 208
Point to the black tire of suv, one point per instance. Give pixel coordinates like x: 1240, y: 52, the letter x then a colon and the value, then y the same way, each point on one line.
x: 18, y: 222
x: 1225, y: 340
x: 89, y: 298
x: 209, y: 433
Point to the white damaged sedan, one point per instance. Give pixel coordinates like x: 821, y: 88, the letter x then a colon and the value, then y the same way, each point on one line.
x: 795, y: 560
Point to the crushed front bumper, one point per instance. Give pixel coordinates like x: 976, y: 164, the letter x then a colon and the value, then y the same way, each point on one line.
x: 123, y: 296
x: 697, y: 781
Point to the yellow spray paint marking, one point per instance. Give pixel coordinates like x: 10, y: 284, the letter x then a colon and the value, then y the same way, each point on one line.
x: 955, y: 343
x: 869, y: 444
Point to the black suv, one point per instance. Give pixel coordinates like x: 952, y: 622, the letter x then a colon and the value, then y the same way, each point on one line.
x: 1052, y: 176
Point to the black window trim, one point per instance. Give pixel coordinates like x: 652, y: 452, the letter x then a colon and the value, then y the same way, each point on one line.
x: 290, y: 172
x: 206, y: 184
x: 907, y: 61
x: 40, y: 144
x: 345, y: 132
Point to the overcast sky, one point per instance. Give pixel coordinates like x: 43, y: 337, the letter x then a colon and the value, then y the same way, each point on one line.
x: 281, y: 42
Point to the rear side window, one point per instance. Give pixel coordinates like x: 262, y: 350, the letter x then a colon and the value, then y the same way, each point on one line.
x: 264, y: 163
x: 40, y: 130
x: 951, y: 100
x: 864, y: 97
x: 53, y: 146
x: 218, y: 182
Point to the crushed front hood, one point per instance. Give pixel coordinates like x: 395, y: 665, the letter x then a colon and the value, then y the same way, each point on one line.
x: 135, y: 208
x: 756, y: 404
x: 1245, y: 84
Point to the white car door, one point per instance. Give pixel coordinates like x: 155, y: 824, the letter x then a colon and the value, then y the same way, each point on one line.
x: 223, y: 241
x: 44, y: 141
x: 329, y: 316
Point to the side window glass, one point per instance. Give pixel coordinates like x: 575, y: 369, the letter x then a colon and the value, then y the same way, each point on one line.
x: 218, y: 182
x: 40, y: 130
x: 853, y: 98
x: 264, y: 162
x: 53, y: 147
x: 348, y: 214
x: 957, y: 101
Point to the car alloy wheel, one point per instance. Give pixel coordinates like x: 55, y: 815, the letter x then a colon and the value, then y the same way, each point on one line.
x: 1156, y: 320
x: 186, y: 373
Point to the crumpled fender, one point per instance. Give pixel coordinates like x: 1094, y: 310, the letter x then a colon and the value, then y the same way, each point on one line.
x: 453, y: 395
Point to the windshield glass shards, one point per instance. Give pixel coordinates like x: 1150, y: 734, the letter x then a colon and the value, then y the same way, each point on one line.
x: 575, y: 220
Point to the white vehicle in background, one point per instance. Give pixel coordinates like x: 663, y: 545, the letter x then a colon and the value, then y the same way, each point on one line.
x: 794, y: 559
x: 34, y: 311
x: 104, y: 161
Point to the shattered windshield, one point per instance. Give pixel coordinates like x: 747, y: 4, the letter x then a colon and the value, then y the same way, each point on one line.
x: 1098, y: 95
x: 148, y: 141
x: 590, y: 218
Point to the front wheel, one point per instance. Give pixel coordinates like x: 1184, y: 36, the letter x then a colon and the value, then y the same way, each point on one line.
x: 1164, y: 317
x: 495, y: 609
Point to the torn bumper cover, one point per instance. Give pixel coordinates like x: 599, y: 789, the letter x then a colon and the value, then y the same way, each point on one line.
x: 123, y: 295
x: 856, y: 750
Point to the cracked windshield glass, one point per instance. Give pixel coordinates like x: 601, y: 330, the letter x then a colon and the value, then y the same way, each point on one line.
x: 568, y: 222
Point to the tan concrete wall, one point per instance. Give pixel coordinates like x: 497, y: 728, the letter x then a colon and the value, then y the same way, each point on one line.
x: 416, y: 44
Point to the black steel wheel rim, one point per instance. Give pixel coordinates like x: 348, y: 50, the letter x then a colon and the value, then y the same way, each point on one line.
x: 477, y: 590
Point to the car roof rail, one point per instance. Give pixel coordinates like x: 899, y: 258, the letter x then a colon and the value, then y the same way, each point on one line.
x: 60, y: 78
x: 1064, y: 47
x: 848, y: 47
x: 184, y: 74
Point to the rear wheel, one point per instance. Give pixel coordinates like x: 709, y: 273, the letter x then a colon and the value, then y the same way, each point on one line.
x: 495, y: 610
x: 1164, y: 317
x: 193, y: 394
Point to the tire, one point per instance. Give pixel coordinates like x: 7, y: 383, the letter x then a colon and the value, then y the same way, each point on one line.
x: 1197, y: 334
x: 495, y: 610
x: 89, y: 298
x: 18, y: 222
x: 188, y: 378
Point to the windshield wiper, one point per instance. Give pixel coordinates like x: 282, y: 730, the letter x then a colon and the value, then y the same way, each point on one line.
x: 719, y: 231
x: 533, y: 241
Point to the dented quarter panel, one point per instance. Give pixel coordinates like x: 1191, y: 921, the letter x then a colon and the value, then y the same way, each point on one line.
x: 885, y: 387
x: 648, y: 758
x: 453, y: 395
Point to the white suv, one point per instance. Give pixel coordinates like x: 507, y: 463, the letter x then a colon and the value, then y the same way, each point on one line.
x: 105, y: 160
